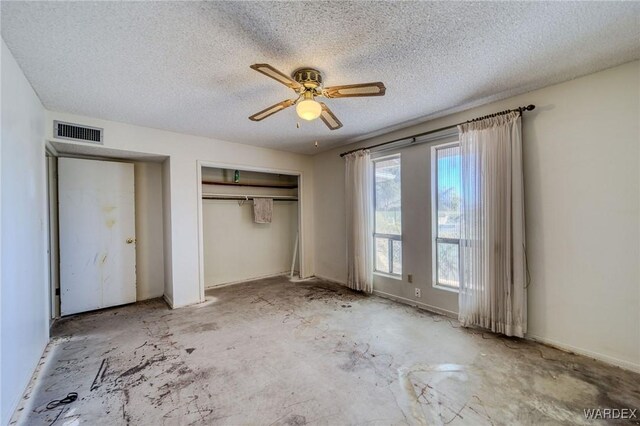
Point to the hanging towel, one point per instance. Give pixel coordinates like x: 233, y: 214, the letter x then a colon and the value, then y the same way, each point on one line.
x: 262, y: 210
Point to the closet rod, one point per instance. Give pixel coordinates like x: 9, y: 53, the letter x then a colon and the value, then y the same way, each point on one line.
x: 256, y: 185
x: 238, y: 198
x: 414, y: 137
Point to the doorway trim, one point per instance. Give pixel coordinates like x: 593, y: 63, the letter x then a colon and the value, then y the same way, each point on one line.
x: 52, y: 236
x: 301, y: 205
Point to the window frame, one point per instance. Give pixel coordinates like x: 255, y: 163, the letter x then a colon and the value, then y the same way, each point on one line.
x: 435, y: 239
x: 390, y: 237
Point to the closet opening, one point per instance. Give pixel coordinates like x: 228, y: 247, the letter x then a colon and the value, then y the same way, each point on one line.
x: 249, y: 225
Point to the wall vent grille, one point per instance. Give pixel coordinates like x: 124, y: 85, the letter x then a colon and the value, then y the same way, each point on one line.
x: 76, y: 132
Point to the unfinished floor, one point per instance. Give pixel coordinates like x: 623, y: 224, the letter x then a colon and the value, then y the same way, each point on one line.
x: 274, y: 352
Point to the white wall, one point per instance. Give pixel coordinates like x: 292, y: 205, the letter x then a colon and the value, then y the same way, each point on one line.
x: 238, y: 249
x: 582, y: 183
x: 24, y: 301
x: 149, y: 230
x: 166, y: 230
x: 181, y: 201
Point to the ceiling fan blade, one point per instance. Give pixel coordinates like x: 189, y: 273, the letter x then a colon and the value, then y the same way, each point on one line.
x: 271, y: 110
x: 329, y: 118
x: 279, y: 76
x: 355, y: 90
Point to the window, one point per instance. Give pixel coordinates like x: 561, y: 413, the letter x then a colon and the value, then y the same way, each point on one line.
x: 445, y: 202
x: 388, y: 216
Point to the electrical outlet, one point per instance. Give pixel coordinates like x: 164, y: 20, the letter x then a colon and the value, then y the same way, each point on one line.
x: 418, y: 292
x: 410, y: 278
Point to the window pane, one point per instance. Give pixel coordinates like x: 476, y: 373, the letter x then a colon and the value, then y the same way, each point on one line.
x: 448, y: 264
x: 382, y: 255
x: 449, y: 192
x: 397, y: 257
x: 387, y: 193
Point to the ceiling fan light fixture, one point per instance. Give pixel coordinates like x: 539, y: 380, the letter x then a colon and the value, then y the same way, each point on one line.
x: 307, y: 85
x: 308, y: 109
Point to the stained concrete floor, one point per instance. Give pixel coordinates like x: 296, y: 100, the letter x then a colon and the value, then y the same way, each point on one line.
x: 273, y: 352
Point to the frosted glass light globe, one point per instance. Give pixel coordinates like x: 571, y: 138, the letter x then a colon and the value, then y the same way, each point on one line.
x: 308, y: 109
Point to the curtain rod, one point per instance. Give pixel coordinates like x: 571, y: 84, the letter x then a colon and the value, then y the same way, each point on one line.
x: 519, y: 109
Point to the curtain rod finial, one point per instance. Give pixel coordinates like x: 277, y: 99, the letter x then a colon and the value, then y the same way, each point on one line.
x: 530, y: 107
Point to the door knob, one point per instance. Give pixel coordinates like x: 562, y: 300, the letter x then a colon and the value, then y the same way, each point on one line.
x: 131, y: 240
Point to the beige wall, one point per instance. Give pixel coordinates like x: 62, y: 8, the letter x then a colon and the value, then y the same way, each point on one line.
x: 237, y: 249
x: 149, y: 230
x: 582, y: 183
x: 24, y: 289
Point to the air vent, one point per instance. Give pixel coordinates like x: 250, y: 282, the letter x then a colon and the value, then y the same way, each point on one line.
x: 76, y: 132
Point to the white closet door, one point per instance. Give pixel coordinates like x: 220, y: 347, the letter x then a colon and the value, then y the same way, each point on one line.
x: 97, y: 234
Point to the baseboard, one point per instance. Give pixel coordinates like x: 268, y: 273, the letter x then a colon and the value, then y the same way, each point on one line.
x: 168, y: 300
x: 52, y: 322
x: 545, y: 341
x: 25, y: 399
x: 400, y: 299
x: 417, y: 304
x: 331, y: 280
x: 150, y: 297
x: 627, y: 365
x: 172, y: 305
x: 262, y: 277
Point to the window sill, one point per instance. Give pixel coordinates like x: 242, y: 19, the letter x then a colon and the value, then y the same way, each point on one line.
x: 446, y: 288
x: 392, y: 276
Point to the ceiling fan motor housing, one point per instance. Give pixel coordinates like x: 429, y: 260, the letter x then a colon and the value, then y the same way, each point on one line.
x: 310, y: 78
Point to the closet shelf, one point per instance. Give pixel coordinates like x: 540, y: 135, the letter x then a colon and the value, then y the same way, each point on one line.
x: 255, y: 185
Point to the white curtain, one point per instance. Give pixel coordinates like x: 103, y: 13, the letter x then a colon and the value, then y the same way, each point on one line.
x: 492, y: 244
x: 359, y: 203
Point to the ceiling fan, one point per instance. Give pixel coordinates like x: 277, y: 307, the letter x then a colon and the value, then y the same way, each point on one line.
x: 307, y: 83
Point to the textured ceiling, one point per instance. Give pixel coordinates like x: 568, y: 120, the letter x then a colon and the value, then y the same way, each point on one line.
x: 184, y: 66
